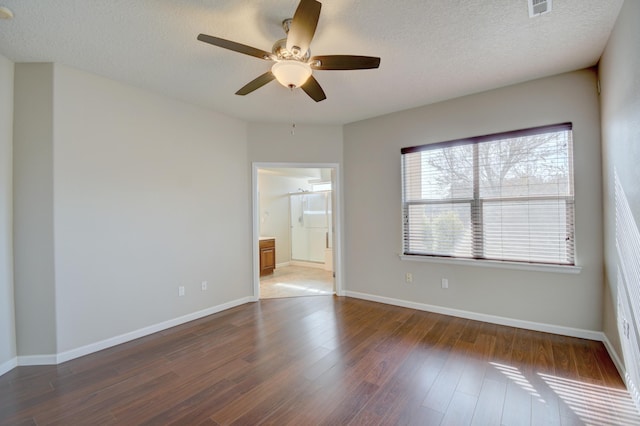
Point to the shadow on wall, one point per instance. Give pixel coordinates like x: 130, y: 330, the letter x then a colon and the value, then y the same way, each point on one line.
x: 628, y: 249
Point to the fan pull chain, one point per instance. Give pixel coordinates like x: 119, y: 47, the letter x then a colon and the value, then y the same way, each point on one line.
x: 293, y: 123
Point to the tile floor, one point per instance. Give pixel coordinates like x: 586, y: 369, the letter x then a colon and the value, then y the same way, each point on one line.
x: 293, y: 281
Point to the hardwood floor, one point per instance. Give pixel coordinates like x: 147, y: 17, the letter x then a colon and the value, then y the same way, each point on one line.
x: 327, y: 360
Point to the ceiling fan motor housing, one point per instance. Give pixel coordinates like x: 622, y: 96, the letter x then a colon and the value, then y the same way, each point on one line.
x: 282, y: 53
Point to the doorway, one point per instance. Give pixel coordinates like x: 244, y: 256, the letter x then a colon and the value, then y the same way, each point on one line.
x: 296, y: 211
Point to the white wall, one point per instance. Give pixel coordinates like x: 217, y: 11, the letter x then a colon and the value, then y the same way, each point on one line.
x: 142, y: 203
x: 620, y: 106
x: 275, y: 211
x: 373, y: 205
x: 33, y: 210
x: 7, y: 319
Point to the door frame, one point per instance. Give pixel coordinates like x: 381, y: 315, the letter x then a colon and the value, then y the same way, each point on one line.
x: 338, y: 215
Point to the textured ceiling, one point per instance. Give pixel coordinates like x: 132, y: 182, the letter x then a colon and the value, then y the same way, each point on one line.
x: 431, y: 50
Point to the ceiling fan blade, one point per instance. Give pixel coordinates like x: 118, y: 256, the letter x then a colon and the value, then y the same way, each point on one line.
x: 256, y: 83
x: 313, y: 89
x: 303, y: 26
x: 236, y: 47
x: 344, y: 62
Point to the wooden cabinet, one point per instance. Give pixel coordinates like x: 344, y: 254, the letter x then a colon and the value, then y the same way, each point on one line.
x: 267, y: 256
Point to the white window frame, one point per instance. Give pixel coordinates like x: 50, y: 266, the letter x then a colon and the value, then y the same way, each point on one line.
x: 477, y: 259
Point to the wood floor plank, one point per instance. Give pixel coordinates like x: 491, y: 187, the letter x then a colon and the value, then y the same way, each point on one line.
x: 564, y: 359
x: 198, y: 407
x: 488, y: 410
x: 620, y: 401
x: 268, y: 387
x: 334, y: 387
x: 445, y: 385
x: 460, y: 410
x: 545, y: 408
x: 75, y: 403
x: 478, y: 356
x: 517, y: 405
x: 397, y: 347
x: 586, y: 363
x: 327, y: 360
x: 351, y: 405
x: 409, y: 392
x: 542, y: 353
x: 411, y: 381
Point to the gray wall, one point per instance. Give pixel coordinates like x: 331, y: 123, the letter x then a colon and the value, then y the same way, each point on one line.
x: 33, y: 210
x: 308, y: 144
x: 373, y: 211
x: 7, y: 320
x: 620, y: 106
x: 143, y: 194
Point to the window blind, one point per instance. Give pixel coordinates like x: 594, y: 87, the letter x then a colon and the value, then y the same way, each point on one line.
x: 507, y: 196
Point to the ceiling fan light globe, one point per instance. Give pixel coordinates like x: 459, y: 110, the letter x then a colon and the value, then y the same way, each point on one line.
x: 291, y: 73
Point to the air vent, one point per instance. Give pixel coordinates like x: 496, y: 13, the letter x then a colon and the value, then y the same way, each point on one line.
x: 539, y: 7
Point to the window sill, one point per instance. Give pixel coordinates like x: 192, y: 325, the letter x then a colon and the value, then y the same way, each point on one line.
x: 495, y: 264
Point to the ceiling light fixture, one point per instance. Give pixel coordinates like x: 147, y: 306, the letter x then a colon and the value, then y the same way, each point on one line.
x: 5, y: 13
x: 291, y: 73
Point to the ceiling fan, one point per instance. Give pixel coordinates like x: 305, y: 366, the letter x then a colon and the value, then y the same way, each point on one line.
x: 293, y: 64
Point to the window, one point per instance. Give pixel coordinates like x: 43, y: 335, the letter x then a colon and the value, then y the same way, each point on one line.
x: 507, y: 196
x: 324, y: 186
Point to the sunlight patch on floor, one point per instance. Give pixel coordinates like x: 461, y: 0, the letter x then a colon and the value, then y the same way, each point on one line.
x: 595, y: 404
x: 295, y: 281
x: 300, y: 287
x: 518, y: 378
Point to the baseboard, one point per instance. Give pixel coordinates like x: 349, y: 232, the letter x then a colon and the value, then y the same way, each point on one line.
x: 7, y: 366
x: 493, y: 319
x: 24, y: 360
x: 318, y: 265
x: 123, y: 338
x: 613, y: 355
x: 282, y: 265
x: 621, y: 370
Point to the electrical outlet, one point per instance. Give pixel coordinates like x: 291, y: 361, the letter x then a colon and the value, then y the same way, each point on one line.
x: 181, y: 290
x: 408, y: 277
x: 445, y: 283
x: 204, y: 286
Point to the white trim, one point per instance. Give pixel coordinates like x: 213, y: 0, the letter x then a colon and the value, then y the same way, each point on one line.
x: 113, y: 341
x: 7, y: 366
x: 338, y: 217
x: 621, y: 370
x: 493, y: 319
x: 27, y: 360
x: 282, y: 265
x: 316, y: 265
x: 31, y: 360
x: 495, y: 264
x: 255, y: 232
